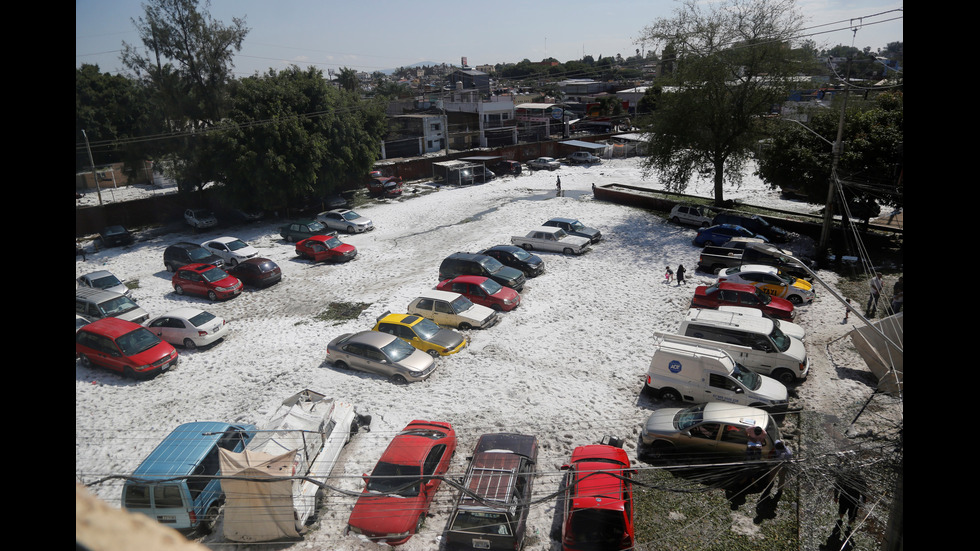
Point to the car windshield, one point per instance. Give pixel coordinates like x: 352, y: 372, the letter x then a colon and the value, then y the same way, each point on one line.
x: 389, y: 478
x: 763, y: 298
x: 200, y: 319
x: 316, y: 226
x: 461, y: 304
x: 351, y: 215
x: 117, y: 306
x: 597, y: 528
x: 198, y: 253
x: 491, y: 264
x: 113, y: 230
x: 236, y: 245
x: 781, y: 339
x: 426, y: 329
x: 397, y: 350
x: 521, y: 254
x: 214, y: 275
x: 481, y: 523
x: 577, y: 226
x: 136, y: 341
x: 491, y: 287
x: 105, y: 282
x: 688, y: 417
x: 332, y: 243
x: 752, y: 381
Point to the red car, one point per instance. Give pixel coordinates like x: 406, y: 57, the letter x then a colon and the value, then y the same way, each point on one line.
x: 206, y: 280
x: 598, y: 500
x: 483, y: 291
x: 724, y: 293
x: 399, y: 491
x: 124, y: 346
x: 325, y: 247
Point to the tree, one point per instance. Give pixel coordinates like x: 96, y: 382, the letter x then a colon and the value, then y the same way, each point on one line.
x: 109, y: 108
x: 186, y: 63
x: 732, y: 64
x: 291, y: 135
x: 348, y: 79
x: 871, y: 161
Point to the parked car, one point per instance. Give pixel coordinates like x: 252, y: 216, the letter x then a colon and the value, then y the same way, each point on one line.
x: 598, y: 500
x: 453, y: 310
x: 345, y: 220
x: 492, y: 514
x: 770, y: 281
x: 546, y: 238
x: 302, y: 229
x: 483, y: 291
x: 574, y: 227
x: 692, y: 215
x: 724, y: 293
x: 257, y: 272
x: 184, y: 253
x: 105, y: 280
x: 709, y: 432
x: 177, y: 484
x: 398, y: 493
x: 789, y: 328
x: 95, y: 304
x: 230, y: 249
x: 516, y: 257
x: 200, y: 218
x: 325, y: 247
x: 206, y: 280
x: 422, y: 333
x: 112, y: 236
x: 189, y: 327
x: 544, y: 163
x: 720, y: 234
x: 583, y: 158
x: 381, y: 353
x: 385, y: 186
x: 124, y: 347
x: 482, y: 265
x: 501, y: 168
x: 754, y: 223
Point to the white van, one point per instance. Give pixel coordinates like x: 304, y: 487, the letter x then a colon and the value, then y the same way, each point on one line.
x: 793, y: 330
x: 753, y: 342
x: 691, y: 370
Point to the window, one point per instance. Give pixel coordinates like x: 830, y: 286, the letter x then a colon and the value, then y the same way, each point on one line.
x: 722, y: 382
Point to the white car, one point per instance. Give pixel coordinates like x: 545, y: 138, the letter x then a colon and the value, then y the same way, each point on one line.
x: 788, y: 328
x: 544, y: 163
x: 189, y: 327
x: 200, y: 218
x: 453, y: 310
x: 584, y: 157
x: 770, y: 281
x: 230, y: 249
x: 550, y: 238
x: 103, y: 279
x: 345, y: 220
x: 694, y: 215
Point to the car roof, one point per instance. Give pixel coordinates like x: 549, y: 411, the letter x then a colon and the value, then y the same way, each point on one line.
x: 183, y: 449
x: 197, y: 267
x: 111, y: 327
x: 321, y: 237
x: 731, y: 286
x: 758, y: 268
x: 184, y: 312
x: 223, y: 239
x: 372, y: 338
x: 503, y: 248
x: 404, y: 319
x: 439, y: 295
x: 567, y: 220
x: 186, y: 245
x: 97, y: 273
x: 758, y: 324
x: 732, y: 414
x: 548, y: 229
x: 469, y: 279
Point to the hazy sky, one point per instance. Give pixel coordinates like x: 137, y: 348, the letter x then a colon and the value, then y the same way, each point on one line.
x: 375, y: 35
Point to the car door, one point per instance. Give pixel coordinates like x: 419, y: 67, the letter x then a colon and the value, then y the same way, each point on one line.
x: 443, y: 314
x: 722, y: 388
x: 192, y: 282
x: 701, y: 438
x: 163, y: 328
x: 363, y: 357
x: 436, y: 462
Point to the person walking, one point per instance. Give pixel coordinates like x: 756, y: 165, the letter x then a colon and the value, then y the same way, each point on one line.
x: 876, y: 286
x: 669, y: 274
x: 849, y: 493
x: 558, y: 184
x: 898, y: 295
x: 680, y: 275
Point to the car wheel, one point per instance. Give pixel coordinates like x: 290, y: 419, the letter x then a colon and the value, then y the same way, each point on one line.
x: 660, y: 451
x: 568, y: 251
x: 340, y: 365
x: 784, y: 376
x: 85, y: 361
x: 433, y: 353
x: 212, y: 296
x: 497, y: 308
x: 527, y: 247
x: 350, y: 229
x: 190, y: 344
x: 179, y: 290
x: 795, y: 300
x: 210, y: 520
x: 709, y: 243
x: 465, y: 326
x: 233, y: 262
x: 670, y: 395
x: 675, y: 220
x: 399, y: 379
x: 170, y: 267
x: 421, y: 521
x: 129, y: 373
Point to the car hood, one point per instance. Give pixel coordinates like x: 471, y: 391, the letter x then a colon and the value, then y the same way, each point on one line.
x: 417, y: 361
x: 575, y: 240
x: 160, y: 351
x: 772, y: 389
x: 381, y: 514
x: 447, y: 338
x: 796, y: 350
x: 476, y: 314
x: 344, y: 249
x: 661, y: 421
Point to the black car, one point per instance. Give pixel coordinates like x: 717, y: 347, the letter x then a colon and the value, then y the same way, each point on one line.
x: 500, y: 168
x: 113, y: 236
x: 574, y: 227
x: 516, y: 257
x: 257, y: 272
x: 183, y: 253
x: 754, y: 223
x: 458, y: 264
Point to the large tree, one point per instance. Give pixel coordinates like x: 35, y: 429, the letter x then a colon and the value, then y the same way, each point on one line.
x: 291, y: 135
x: 186, y: 62
x: 732, y: 63
x: 110, y: 109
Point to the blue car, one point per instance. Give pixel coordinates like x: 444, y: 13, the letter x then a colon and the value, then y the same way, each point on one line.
x: 721, y: 234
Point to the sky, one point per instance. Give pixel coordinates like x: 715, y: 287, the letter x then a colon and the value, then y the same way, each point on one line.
x: 377, y: 35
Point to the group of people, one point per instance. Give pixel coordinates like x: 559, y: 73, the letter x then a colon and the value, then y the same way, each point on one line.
x: 669, y: 275
x: 877, y: 285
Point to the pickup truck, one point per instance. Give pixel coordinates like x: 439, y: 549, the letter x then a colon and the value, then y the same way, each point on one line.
x: 549, y: 238
x: 715, y: 259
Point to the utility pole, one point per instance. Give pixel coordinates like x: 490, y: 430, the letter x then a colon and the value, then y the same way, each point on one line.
x: 828, y: 216
x: 91, y: 163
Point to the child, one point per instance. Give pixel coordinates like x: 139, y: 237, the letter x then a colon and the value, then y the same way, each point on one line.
x: 669, y: 275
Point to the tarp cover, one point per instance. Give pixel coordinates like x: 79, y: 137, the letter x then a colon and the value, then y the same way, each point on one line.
x: 257, y: 510
x: 885, y: 358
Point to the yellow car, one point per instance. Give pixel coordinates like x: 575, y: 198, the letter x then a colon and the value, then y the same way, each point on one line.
x: 771, y: 281
x: 421, y: 333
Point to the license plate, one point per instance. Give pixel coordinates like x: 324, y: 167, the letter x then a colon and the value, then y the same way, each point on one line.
x: 481, y: 544
x: 166, y: 518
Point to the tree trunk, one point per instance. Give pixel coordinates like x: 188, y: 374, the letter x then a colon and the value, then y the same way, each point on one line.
x: 719, y: 180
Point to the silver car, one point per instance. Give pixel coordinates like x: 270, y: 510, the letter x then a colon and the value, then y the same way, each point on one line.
x: 381, y: 353
x: 345, y: 220
x: 706, y: 432
x: 105, y: 280
x: 544, y: 163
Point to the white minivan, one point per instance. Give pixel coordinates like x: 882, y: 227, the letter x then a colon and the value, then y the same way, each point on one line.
x: 753, y: 342
x: 692, y: 370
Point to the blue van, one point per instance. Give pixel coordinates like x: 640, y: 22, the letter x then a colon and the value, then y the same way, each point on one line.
x: 177, y: 483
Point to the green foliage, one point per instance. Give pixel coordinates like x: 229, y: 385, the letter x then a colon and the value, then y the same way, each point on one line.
x: 291, y: 135
x: 108, y: 108
x: 342, y: 311
x: 797, y: 159
x: 347, y: 78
